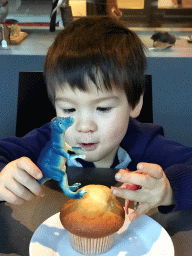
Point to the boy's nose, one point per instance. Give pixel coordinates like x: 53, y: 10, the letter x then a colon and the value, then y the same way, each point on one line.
x: 86, y: 125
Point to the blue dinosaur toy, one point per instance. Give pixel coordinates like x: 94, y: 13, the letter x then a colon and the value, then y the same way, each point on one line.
x: 52, y: 160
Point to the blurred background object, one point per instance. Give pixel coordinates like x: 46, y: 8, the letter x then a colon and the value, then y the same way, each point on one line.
x: 104, y: 7
x: 3, y: 10
x: 163, y: 40
x: 66, y: 13
x: 4, y: 30
x: 136, y: 13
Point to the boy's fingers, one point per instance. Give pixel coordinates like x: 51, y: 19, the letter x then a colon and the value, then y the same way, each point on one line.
x: 135, y: 178
x: 141, y: 209
x: 128, y: 194
x: 26, y: 164
x: 29, y: 182
x: 9, y: 197
x: 153, y: 170
x: 123, y: 186
x: 20, y: 191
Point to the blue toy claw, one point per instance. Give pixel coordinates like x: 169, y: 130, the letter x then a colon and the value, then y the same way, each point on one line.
x: 68, y: 190
x: 77, y: 156
x: 74, y: 186
x: 81, y: 193
x: 43, y: 180
x: 78, y: 148
x: 75, y: 195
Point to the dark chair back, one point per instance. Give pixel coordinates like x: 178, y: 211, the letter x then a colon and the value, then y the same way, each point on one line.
x: 35, y: 109
x: 146, y: 115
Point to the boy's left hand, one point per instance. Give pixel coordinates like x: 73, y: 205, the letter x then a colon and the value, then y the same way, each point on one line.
x: 155, y: 188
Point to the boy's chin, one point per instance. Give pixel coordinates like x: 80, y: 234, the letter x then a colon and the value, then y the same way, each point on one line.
x: 92, y: 158
x: 98, y: 161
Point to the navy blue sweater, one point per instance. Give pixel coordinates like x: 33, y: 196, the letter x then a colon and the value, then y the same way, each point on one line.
x: 143, y: 143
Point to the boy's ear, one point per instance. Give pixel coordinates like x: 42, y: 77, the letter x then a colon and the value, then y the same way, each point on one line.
x: 136, y: 111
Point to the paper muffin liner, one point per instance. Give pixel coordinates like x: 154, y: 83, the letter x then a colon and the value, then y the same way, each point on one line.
x: 91, y: 246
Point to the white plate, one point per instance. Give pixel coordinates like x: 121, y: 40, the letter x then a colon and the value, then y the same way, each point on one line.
x: 142, y: 237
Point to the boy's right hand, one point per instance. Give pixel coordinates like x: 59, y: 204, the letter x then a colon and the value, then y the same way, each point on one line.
x: 18, y: 181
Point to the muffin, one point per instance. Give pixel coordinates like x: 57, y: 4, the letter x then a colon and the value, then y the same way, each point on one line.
x: 92, y: 220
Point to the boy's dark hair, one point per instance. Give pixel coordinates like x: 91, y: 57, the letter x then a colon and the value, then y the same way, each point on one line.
x: 97, y: 44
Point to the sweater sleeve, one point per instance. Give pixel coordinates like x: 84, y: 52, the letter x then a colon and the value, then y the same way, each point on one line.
x: 176, y: 161
x: 12, y: 148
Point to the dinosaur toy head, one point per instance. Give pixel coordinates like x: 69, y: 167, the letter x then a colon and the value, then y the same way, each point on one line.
x: 61, y: 124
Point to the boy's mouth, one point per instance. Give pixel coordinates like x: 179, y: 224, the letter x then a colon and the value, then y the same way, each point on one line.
x: 88, y: 146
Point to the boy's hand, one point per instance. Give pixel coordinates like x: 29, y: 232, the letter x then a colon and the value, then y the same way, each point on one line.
x: 18, y: 181
x: 155, y: 188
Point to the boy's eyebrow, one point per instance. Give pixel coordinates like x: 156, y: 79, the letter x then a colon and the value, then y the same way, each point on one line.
x: 96, y: 100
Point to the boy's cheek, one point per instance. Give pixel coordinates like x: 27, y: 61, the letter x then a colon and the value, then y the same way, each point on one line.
x: 70, y: 136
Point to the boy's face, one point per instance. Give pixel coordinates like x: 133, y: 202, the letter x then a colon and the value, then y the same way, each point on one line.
x: 101, y: 120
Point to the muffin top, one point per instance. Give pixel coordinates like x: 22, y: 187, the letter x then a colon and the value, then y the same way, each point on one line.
x: 97, y: 214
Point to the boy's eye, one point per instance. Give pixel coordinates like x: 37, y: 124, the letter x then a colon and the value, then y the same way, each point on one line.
x: 104, y: 109
x: 68, y: 110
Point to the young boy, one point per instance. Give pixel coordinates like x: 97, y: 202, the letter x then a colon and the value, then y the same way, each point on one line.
x: 94, y: 72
